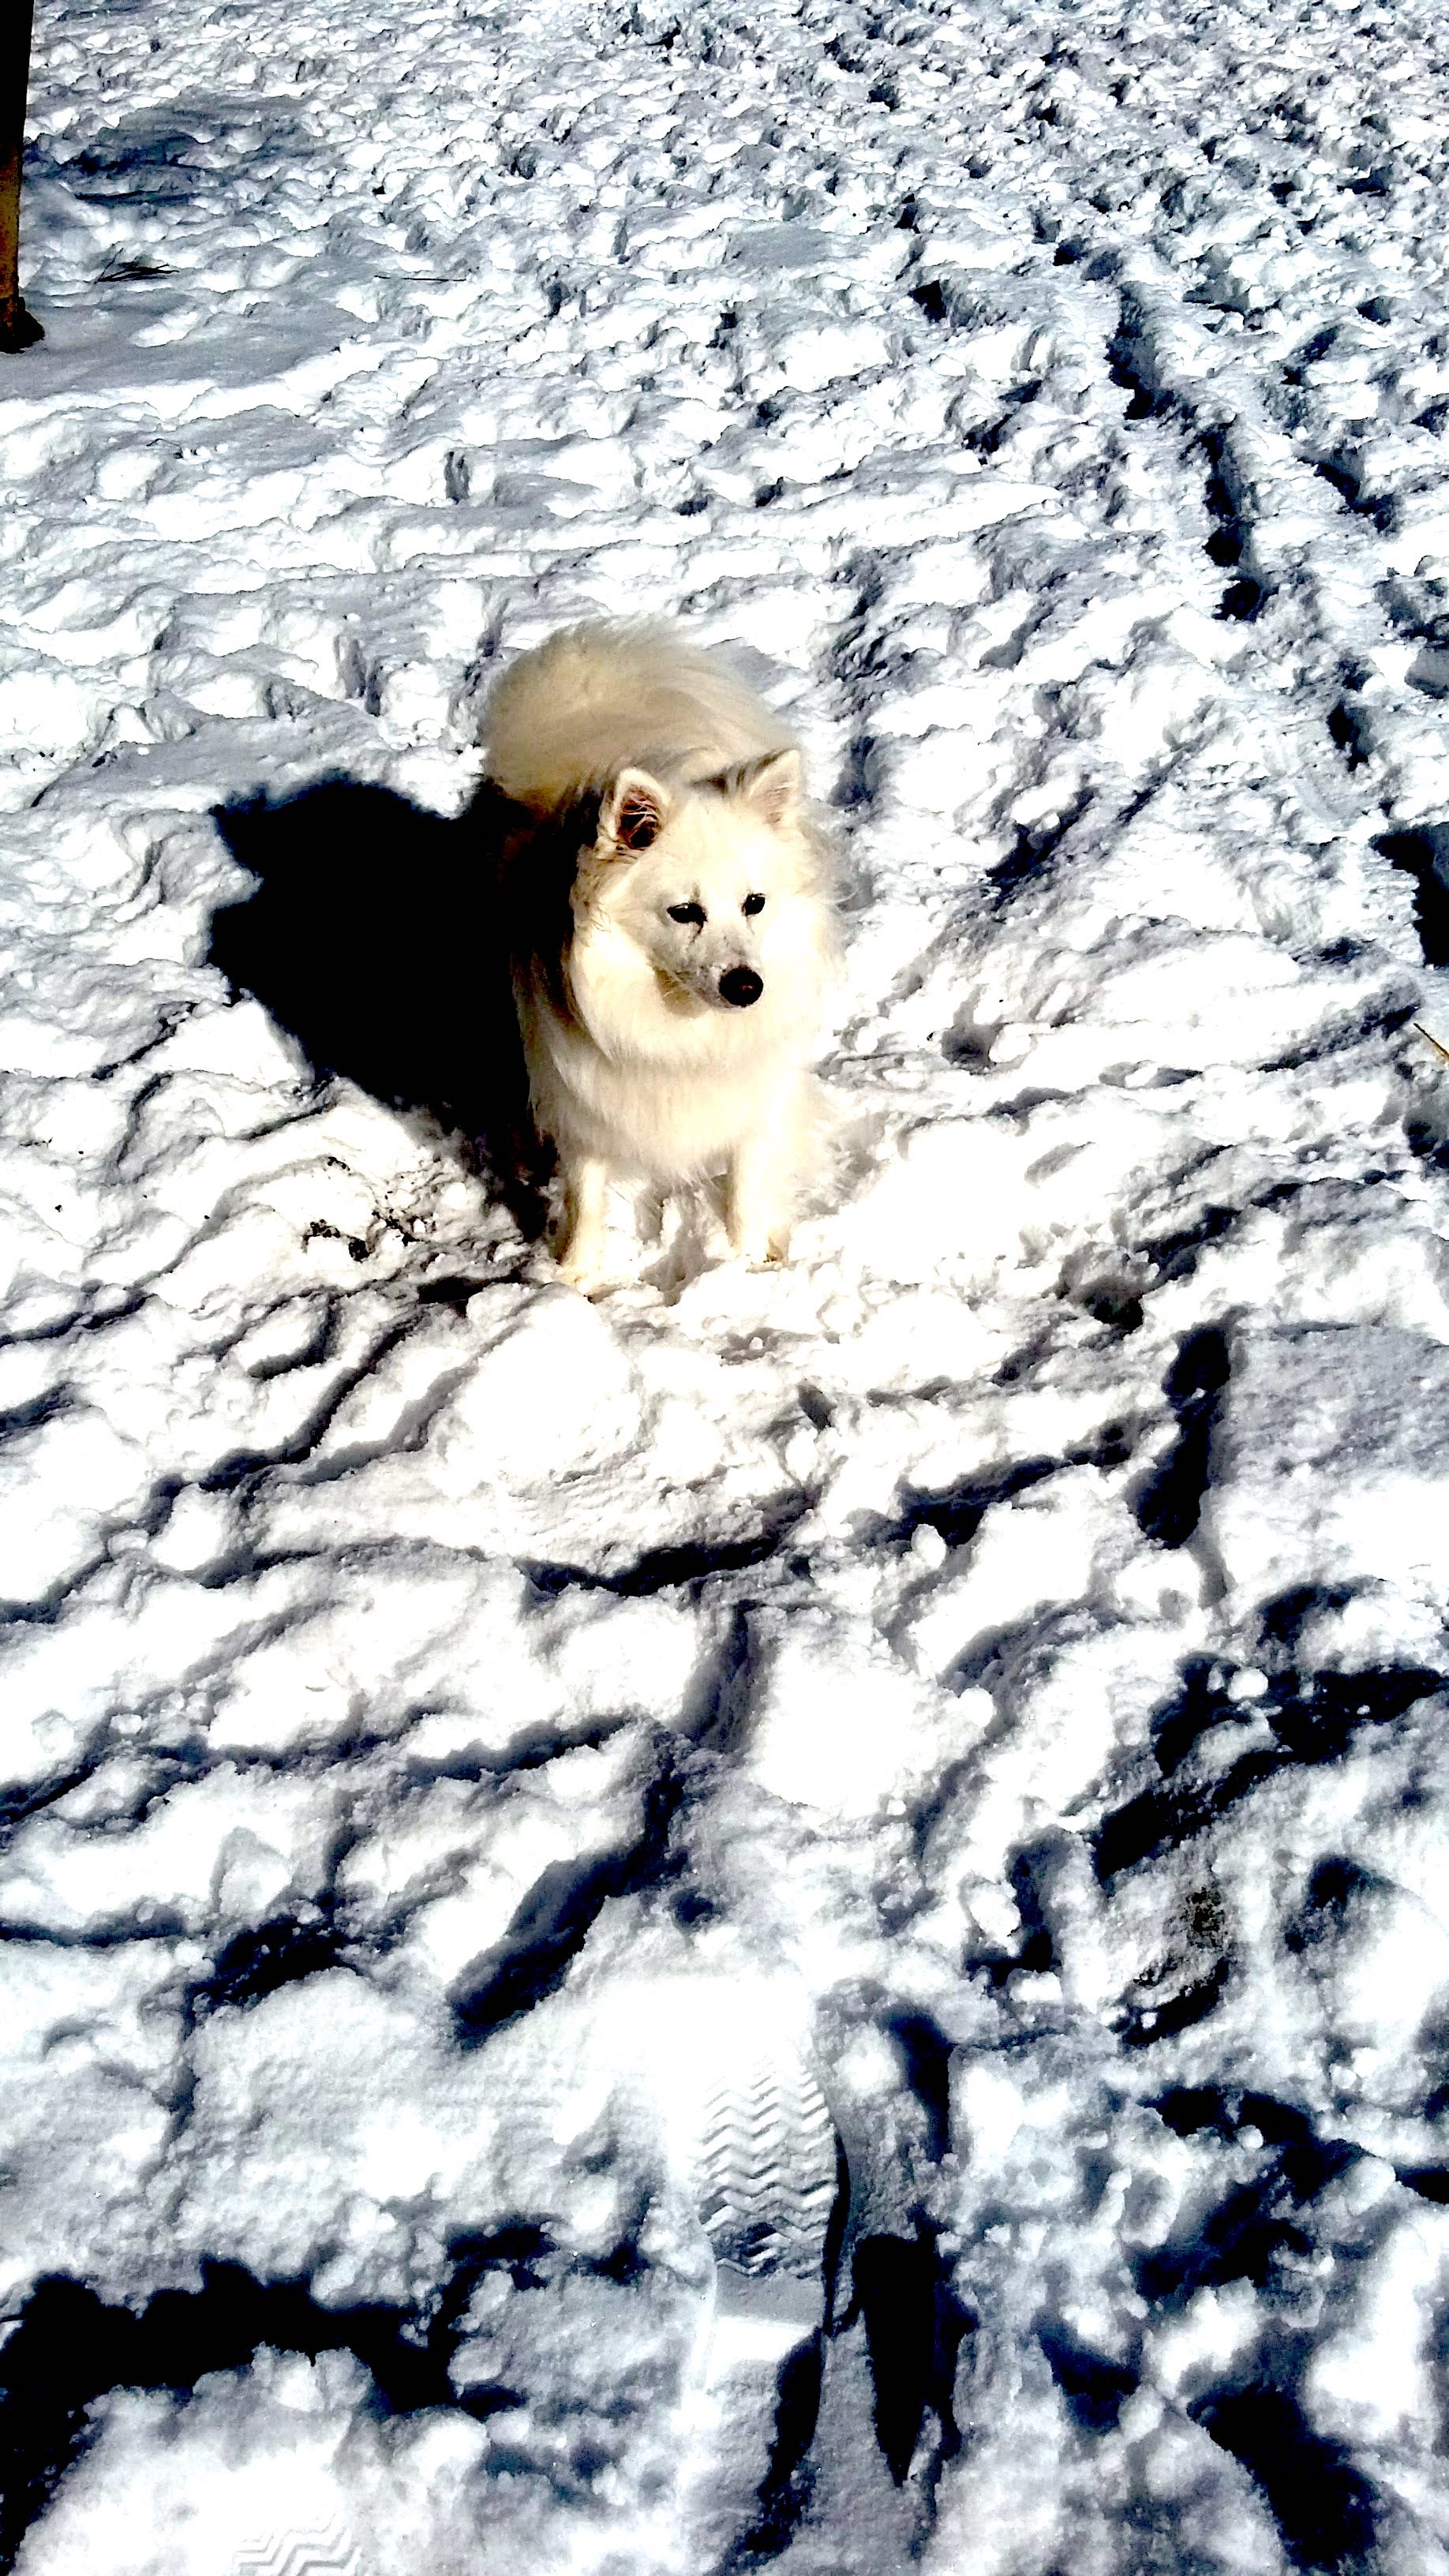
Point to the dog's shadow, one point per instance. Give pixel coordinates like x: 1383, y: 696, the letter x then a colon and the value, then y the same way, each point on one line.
x: 376, y: 938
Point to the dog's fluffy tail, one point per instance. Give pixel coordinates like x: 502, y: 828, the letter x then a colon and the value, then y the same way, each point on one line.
x: 595, y: 699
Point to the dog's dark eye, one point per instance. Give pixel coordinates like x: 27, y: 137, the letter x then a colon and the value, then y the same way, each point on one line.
x: 688, y: 912
x: 753, y: 903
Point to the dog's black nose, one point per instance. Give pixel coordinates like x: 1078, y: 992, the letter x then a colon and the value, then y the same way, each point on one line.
x: 741, y: 985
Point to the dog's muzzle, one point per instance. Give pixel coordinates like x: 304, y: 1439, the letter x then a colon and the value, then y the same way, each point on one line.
x: 740, y: 985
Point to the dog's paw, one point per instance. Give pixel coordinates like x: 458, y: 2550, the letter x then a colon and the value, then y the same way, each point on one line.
x: 588, y: 1277
x: 760, y: 1252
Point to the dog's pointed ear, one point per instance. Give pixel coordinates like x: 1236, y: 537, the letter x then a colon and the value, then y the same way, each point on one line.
x: 632, y: 814
x: 772, y: 786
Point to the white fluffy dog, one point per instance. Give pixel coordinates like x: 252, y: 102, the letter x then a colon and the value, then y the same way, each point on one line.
x: 671, y: 928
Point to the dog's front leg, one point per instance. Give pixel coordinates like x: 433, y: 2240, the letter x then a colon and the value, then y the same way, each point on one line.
x: 757, y: 1199
x: 586, y: 1200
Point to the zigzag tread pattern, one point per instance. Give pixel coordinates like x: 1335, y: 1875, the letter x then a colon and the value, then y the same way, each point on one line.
x: 303, y: 2553
x: 766, y: 2175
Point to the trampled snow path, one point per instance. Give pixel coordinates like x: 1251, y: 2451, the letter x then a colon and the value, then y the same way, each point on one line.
x: 1015, y: 1630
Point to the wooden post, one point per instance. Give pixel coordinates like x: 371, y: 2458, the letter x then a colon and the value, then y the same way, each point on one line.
x: 18, y: 329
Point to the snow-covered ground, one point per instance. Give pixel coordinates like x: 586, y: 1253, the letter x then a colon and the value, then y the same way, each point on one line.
x: 443, y: 1718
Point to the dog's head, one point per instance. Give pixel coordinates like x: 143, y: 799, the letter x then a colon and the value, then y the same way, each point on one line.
x: 704, y: 878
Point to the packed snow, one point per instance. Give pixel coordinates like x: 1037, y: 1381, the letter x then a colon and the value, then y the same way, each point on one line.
x: 446, y: 1720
